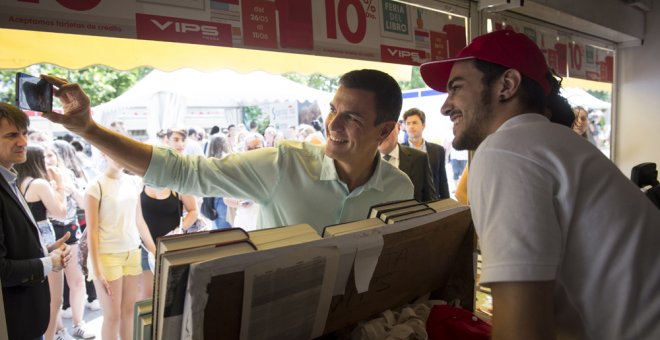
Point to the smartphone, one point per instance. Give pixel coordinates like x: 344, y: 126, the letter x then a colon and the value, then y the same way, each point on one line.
x: 33, y: 93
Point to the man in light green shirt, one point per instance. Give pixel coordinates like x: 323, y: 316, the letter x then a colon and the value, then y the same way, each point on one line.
x: 293, y: 183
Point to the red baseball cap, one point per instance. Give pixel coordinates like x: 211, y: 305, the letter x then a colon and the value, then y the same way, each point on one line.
x: 505, y: 47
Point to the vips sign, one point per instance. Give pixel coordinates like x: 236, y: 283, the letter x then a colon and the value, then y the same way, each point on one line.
x: 152, y: 27
x: 377, y: 30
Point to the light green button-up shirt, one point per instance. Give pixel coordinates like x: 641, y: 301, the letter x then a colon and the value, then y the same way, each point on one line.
x: 293, y: 183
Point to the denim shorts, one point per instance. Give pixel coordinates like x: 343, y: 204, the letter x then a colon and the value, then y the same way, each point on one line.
x: 47, y: 232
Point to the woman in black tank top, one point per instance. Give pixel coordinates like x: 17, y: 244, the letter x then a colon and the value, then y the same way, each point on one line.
x: 161, y: 215
x: 160, y: 212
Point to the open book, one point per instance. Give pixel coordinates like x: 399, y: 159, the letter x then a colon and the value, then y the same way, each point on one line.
x: 173, y: 282
x: 283, y: 292
x: 171, y: 243
x: 266, y: 284
x: 176, y: 253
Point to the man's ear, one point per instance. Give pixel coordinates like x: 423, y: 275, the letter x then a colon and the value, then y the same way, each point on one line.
x: 509, y: 82
x: 385, y: 129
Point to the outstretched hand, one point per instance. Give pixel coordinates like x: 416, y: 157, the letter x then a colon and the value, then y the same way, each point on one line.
x: 77, y: 115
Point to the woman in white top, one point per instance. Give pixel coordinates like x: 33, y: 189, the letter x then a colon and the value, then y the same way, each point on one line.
x: 114, y: 247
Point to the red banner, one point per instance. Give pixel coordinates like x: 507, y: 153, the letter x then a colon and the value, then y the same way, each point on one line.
x: 153, y: 27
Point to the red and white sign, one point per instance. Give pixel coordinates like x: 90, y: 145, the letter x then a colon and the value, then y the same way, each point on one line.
x: 153, y: 27
x: 378, y: 30
x: 400, y: 55
x: 259, y: 23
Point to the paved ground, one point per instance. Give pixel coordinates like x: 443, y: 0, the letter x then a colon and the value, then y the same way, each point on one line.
x: 93, y: 320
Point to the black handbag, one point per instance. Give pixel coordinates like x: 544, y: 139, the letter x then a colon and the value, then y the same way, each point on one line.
x: 208, y: 208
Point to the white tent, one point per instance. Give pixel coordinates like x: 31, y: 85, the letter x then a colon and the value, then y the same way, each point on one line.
x: 580, y: 97
x: 166, y: 96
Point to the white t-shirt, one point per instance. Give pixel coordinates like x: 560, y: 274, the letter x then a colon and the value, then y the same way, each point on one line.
x: 548, y: 205
x: 117, y: 216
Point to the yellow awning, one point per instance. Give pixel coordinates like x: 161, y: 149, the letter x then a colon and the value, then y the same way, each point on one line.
x: 22, y: 48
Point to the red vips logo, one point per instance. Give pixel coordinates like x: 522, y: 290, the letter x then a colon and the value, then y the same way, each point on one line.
x: 153, y: 27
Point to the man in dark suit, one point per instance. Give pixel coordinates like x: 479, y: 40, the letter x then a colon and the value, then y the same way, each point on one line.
x: 413, y: 162
x: 24, y: 261
x: 415, y: 121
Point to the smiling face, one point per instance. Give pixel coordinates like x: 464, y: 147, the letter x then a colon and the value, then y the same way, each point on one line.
x: 468, y: 105
x: 352, y: 136
x: 13, y: 144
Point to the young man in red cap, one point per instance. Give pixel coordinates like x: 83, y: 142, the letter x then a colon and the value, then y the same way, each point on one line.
x: 569, y: 243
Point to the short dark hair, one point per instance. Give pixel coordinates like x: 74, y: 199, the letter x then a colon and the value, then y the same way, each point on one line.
x: 385, y: 88
x: 531, y: 94
x: 253, y: 124
x: 180, y: 131
x: 14, y: 115
x: 415, y: 112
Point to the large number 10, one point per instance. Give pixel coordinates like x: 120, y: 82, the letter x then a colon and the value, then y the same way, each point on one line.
x: 332, y: 19
x: 76, y: 5
x: 576, y: 56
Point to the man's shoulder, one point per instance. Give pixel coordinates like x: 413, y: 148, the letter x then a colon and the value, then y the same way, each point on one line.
x: 433, y: 146
x: 410, y: 152
x: 300, y: 148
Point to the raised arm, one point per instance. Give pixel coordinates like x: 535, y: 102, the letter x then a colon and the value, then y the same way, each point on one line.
x: 77, y: 118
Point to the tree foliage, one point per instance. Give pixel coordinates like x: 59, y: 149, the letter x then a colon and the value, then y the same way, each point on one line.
x: 316, y: 81
x: 101, y: 83
x: 416, y: 81
x: 330, y: 84
x: 254, y: 113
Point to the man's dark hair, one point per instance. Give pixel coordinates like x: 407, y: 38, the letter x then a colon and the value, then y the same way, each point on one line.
x: 253, y: 124
x: 531, y: 94
x: 385, y: 88
x: 214, y: 129
x: 561, y: 110
x: 230, y: 126
x: 415, y: 112
x: 179, y: 131
x: 192, y: 131
x: 14, y: 115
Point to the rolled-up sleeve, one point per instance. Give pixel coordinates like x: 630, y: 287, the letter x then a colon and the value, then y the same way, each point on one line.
x: 251, y: 174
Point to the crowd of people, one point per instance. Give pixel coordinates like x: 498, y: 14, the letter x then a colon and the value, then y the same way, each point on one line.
x: 68, y: 188
x: 569, y: 244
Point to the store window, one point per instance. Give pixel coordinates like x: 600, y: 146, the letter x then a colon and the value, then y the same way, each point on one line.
x: 586, y: 65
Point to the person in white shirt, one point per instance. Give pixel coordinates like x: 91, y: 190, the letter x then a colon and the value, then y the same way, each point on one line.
x: 569, y: 244
x: 114, y: 246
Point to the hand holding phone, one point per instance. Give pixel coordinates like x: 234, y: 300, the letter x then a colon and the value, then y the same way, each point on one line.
x: 33, y: 93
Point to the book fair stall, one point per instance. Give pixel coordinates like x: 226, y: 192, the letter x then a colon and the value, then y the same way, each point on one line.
x: 399, y: 264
